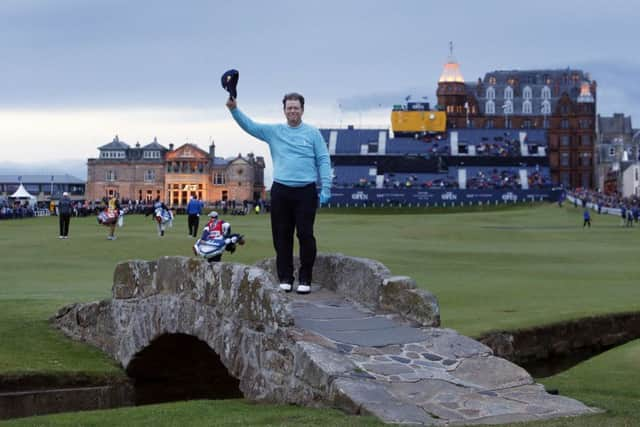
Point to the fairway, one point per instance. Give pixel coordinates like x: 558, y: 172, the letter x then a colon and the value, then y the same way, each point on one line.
x: 494, y: 269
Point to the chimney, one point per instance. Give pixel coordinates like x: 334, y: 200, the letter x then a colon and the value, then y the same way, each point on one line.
x: 212, y: 150
x: 170, y: 147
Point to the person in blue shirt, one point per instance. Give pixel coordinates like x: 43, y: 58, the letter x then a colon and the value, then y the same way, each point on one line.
x: 299, y: 155
x: 587, y: 217
x: 194, y: 209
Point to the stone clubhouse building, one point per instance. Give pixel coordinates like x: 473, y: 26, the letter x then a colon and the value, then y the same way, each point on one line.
x: 146, y: 172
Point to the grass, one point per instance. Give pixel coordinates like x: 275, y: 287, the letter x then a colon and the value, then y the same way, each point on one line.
x: 491, y: 269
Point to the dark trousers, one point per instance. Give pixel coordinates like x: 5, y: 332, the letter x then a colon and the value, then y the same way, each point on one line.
x: 64, y: 220
x: 193, y: 224
x: 293, y: 208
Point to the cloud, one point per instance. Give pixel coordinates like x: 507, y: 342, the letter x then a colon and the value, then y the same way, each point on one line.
x: 375, y: 101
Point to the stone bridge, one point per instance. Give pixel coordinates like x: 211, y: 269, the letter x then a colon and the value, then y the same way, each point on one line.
x: 363, y: 341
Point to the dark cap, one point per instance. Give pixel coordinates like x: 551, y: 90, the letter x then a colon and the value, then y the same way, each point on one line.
x: 229, y: 82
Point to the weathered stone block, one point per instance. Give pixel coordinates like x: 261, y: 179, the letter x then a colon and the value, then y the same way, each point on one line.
x: 400, y: 294
x: 133, y: 278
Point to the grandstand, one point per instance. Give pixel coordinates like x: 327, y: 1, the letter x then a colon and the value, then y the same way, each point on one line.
x: 459, y: 160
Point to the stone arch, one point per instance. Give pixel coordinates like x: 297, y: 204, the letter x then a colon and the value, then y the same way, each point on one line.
x: 180, y: 367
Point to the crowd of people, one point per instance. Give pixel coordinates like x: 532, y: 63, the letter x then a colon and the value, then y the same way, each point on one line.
x: 628, y: 207
x: 16, y: 210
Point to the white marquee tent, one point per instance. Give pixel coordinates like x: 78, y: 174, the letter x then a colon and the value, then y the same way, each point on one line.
x: 22, y: 194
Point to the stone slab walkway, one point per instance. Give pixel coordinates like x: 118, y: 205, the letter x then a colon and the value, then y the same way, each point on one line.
x: 428, y: 376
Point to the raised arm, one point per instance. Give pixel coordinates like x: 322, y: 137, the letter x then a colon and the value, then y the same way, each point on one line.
x: 254, y: 129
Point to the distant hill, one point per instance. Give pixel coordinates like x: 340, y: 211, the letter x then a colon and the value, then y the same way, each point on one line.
x: 73, y: 167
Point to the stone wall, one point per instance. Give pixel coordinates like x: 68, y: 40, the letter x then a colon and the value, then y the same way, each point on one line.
x: 596, y: 334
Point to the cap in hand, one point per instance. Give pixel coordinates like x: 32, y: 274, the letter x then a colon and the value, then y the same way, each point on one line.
x: 229, y: 82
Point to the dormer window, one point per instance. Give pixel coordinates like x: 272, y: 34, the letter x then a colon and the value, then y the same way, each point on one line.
x: 508, y: 92
x: 546, y: 93
x: 151, y: 154
x: 112, y: 154
x: 492, y: 80
x: 491, y: 93
x: 527, y: 93
x: 546, y: 107
x: 490, y: 107
x: 526, y: 107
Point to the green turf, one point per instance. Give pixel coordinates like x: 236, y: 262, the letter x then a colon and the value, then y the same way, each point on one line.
x: 491, y: 269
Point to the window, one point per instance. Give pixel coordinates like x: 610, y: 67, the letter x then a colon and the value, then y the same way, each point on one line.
x: 612, y: 151
x: 527, y: 93
x: 492, y: 80
x: 585, y: 140
x: 564, y: 109
x: 218, y: 178
x: 585, y: 124
x: 585, y: 159
x: 545, y: 123
x: 151, y: 155
x: 565, y: 140
x: 586, y: 180
x: 491, y: 93
x: 527, y: 124
x: 507, y: 123
x: 564, y: 124
x: 546, y: 107
x: 508, y: 107
x: 112, y: 155
x: 373, y: 147
x: 110, y: 175
x: 526, y: 107
x: 564, y: 159
x: 546, y: 93
x: 564, y: 179
x: 490, y: 108
x: 150, y: 175
x: 489, y: 124
x: 508, y: 92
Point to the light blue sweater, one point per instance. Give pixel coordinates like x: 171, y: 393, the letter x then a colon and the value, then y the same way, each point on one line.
x: 299, y: 153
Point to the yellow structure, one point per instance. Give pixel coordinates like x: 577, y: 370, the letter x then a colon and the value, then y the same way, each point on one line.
x: 418, y: 122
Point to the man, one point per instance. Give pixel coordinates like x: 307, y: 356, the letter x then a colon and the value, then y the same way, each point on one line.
x: 65, y: 208
x: 113, y: 208
x: 215, y: 229
x: 194, y: 208
x: 586, y: 215
x: 299, y: 154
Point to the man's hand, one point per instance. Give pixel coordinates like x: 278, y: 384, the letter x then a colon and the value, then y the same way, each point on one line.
x: 231, y: 103
x: 325, y: 196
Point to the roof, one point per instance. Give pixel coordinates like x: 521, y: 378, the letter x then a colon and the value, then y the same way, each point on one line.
x: 116, y: 144
x: 558, y: 81
x: 451, y: 73
x: 219, y: 161
x: 154, y: 145
x: 40, y: 179
x: 617, y: 124
x: 21, y: 193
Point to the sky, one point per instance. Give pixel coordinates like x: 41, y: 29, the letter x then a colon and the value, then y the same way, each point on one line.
x: 75, y: 73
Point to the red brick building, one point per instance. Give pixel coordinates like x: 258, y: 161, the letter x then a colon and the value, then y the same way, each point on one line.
x: 146, y: 172
x: 563, y: 102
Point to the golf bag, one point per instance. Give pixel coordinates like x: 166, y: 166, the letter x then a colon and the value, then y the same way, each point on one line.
x: 212, y: 249
x: 163, y: 216
x: 107, y: 217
